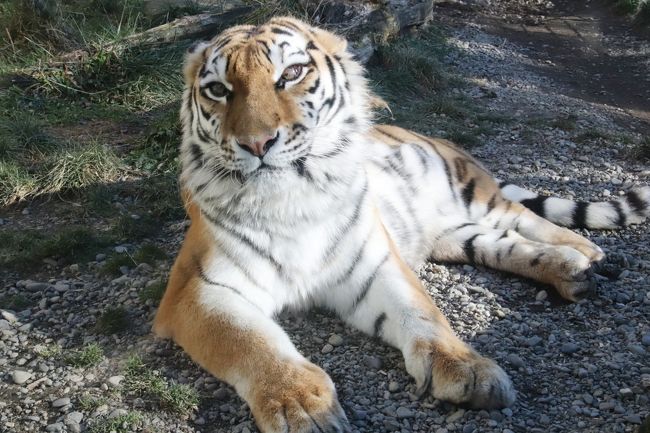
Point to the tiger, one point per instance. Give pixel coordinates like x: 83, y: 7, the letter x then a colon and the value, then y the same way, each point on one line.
x: 297, y: 199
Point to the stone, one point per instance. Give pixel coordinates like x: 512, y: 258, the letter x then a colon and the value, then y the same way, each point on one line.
x: 541, y: 295
x: 115, y: 381
x: 637, y: 349
x: 335, y: 340
x: 373, y: 362
x: 404, y: 412
x: 394, y: 386
x: 470, y: 427
x: 73, y: 418
x: 569, y: 348
x: 19, y: 376
x: 117, y: 412
x: 60, y: 402
x: 57, y: 427
x: 633, y: 418
x: 9, y: 316
x: 506, y: 411
x: 645, y: 340
x: 534, y: 341
x: 34, y: 286
x: 327, y: 348
x: 515, y: 360
x: 455, y: 416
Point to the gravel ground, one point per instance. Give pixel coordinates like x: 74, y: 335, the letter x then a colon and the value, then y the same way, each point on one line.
x: 577, y: 367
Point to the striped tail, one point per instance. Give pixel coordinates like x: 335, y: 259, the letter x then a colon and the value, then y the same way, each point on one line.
x: 632, y: 208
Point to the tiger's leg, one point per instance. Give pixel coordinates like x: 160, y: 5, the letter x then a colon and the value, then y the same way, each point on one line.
x: 388, y: 301
x: 564, y: 267
x: 513, y: 215
x: 228, y: 335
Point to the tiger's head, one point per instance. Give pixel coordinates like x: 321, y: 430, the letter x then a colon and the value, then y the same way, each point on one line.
x: 270, y: 103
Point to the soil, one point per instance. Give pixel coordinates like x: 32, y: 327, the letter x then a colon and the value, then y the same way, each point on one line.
x: 595, y: 54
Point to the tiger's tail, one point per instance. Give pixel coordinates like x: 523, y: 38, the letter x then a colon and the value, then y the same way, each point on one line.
x: 632, y: 208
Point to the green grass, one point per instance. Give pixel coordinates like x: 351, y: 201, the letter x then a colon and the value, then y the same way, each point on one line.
x: 641, y: 150
x: 147, y: 253
x: 142, y: 381
x: 127, y: 423
x: 113, y: 320
x: 565, y: 123
x: 88, y: 356
x: 153, y: 292
x: 15, y: 302
x: 51, y: 351
x: 590, y: 135
x: 24, y: 250
x: 89, y: 403
x: 127, y: 227
x: 112, y: 265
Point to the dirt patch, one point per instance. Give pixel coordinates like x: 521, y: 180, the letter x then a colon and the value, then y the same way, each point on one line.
x: 593, y: 54
x: 118, y: 135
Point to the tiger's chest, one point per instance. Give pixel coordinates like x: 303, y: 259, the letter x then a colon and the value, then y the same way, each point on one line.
x: 286, y: 256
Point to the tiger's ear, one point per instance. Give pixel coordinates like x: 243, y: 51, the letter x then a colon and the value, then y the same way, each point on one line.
x: 194, y: 59
x: 334, y: 44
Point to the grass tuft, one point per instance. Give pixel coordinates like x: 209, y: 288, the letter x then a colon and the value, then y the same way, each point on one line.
x: 112, y: 265
x: 15, y: 302
x: 114, y: 320
x: 565, y: 123
x: 153, y: 292
x: 142, y: 381
x: 89, y: 356
x: 24, y: 250
x: 149, y: 253
x: 127, y: 423
x: 81, y: 167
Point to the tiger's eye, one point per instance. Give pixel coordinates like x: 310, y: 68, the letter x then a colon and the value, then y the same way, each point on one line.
x: 291, y: 73
x: 217, y: 89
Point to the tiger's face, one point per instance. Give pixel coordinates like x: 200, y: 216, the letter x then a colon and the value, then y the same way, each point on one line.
x: 268, y: 102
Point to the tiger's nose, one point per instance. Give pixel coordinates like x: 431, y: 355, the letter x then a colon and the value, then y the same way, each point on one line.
x: 258, y: 146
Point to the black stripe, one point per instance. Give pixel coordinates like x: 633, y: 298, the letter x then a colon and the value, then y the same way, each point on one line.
x: 503, y: 184
x: 379, y: 324
x: 249, y: 243
x: 353, y: 265
x: 536, y: 260
x: 422, y: 154
x: 536, y: 204
x: 366, y: 286
x: 468, y: 192
x: 504, y: 235
x: 311, y: 46
x: 197, y: 155
x: 348, y: 225
x: 315, y: 87
x: 207, y: 280
x: 580, y: 215
x: 621, y: 218
x: 636, y: 203
x: 391, y: 136
x: 302, y: 169
x: 330, y: 66
x: 468, y: 248
x: 279, y: 31
x: 491, y: 203
x: 512, y: 247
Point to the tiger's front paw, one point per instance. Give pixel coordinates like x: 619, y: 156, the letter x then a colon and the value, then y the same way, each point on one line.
x: 478, y: 382
x: 461, y: 375
x: 300, y: 399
